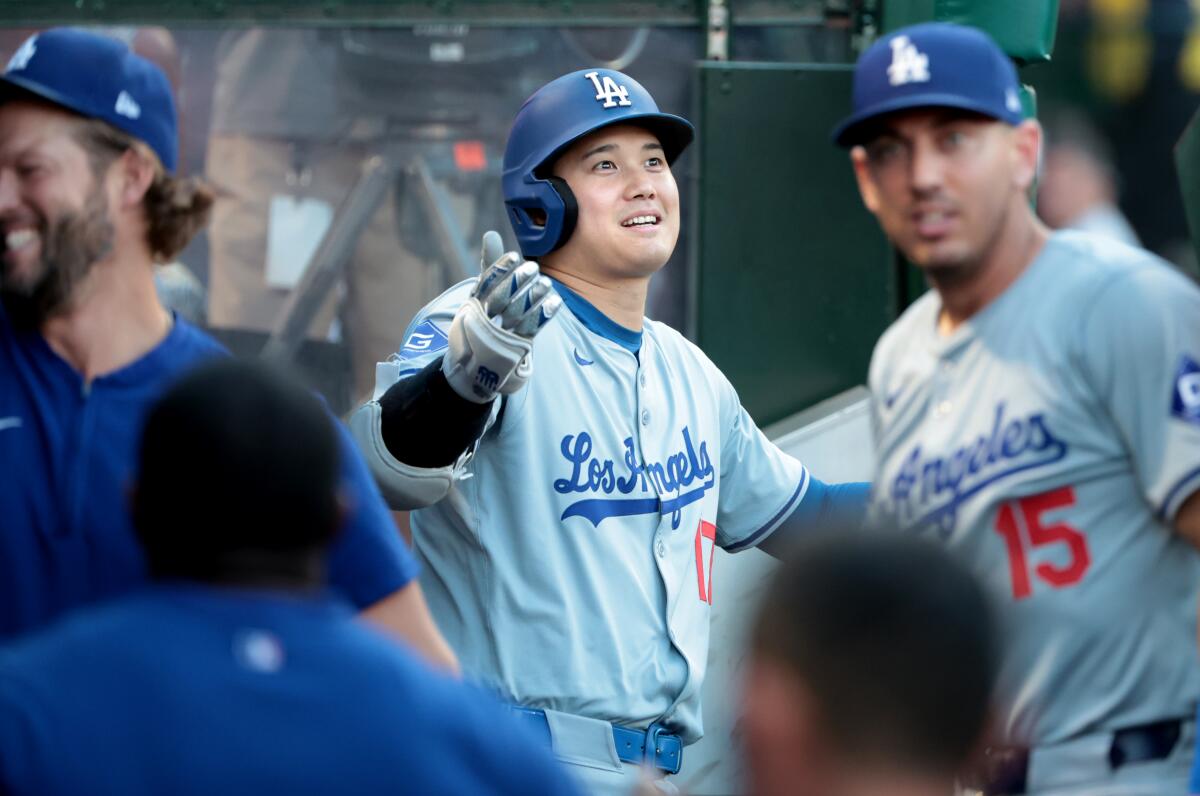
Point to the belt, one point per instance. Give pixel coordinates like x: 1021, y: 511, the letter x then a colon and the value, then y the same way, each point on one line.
x: 652, y: 746
x: 1005, y: 770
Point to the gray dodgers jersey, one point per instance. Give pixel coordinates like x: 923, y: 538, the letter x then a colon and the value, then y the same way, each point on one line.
x: 1049, y: 442
x: 572, y: 568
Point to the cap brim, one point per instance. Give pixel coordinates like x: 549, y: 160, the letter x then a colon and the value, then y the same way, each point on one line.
x: 848, y: 133
x: 16, y: 88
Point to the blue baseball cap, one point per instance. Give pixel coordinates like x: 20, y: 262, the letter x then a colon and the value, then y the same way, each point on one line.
x: 101, y: 78
x: 934, y: 64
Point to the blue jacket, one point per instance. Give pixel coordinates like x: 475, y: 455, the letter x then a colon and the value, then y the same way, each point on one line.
x: 68, y: 450
x: 186, y: 689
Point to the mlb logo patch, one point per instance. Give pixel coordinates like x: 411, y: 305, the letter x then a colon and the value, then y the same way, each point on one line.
x: 1185, y: 400
x: 422, y: 340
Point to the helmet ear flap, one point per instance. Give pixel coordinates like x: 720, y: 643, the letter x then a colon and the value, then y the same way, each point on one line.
x: 570, y: 210
x: 543, y: 215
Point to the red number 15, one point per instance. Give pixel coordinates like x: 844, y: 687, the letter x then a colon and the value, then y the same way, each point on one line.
x: 1031, y: 510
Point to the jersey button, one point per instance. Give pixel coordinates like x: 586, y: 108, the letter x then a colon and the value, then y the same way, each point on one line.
x: 662, y: 549
x: 645, y: 417
x: 642, y: 380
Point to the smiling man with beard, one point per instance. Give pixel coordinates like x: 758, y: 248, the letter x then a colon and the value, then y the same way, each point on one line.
x: 71, y: 244
x: 89, y: 205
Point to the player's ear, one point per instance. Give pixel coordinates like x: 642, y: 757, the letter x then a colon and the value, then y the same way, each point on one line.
x: 136, y: 172
x: 1027, y: 151
x: 862, y: 173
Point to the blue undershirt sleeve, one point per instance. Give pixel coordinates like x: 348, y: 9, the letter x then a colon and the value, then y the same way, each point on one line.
x: 825, y: 508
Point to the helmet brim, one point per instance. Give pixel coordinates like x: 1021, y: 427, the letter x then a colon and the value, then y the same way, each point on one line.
x: 674, y: 133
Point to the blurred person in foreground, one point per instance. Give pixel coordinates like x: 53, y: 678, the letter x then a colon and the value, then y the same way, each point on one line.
x: 1078, y: 185
x: 871, y: 667
x: 90, y: 205
x: 235, y: 670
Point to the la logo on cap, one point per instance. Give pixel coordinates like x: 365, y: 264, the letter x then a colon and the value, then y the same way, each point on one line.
x: 909, y: 65
x: 609, y: 90
x: 23, y: 55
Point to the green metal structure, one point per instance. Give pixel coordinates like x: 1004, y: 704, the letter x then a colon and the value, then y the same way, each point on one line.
x: 795, y: 281
x: 373, y: 12
x: 1187, y: 166
x: 1025, y: 29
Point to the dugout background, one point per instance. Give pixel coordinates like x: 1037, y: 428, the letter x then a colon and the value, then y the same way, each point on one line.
x: 781, y: 276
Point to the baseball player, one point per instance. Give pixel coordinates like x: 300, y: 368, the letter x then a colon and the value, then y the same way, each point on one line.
x: 571, y: 510
x: 234, y: 671
x: 88, y: 205
x: 1038, y: 412
x: 820, y: 715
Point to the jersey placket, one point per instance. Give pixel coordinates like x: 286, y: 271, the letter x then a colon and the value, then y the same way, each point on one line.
x: 654, y: 435
x: 946, y: 352
x: 70, y: 539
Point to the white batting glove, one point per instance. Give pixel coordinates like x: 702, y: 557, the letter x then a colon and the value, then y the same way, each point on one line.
x: 491, y: 337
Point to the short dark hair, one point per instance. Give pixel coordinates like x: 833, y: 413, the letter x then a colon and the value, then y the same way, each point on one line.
x: 894, y: 639
x: 235, y: 458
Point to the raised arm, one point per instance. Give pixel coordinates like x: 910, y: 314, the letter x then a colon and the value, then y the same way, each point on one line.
x: 419, y: 430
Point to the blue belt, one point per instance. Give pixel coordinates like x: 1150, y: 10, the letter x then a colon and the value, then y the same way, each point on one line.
x: 664, y: 750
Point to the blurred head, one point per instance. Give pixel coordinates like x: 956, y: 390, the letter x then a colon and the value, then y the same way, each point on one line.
x: 871, y: 662
x: 239, y: 477
x: 87, y: 146
x: 558, y: 127
x: 1077, y: 174
x: 941, y: 154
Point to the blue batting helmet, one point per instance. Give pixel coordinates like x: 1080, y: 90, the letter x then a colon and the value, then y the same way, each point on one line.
x: 556, y: 116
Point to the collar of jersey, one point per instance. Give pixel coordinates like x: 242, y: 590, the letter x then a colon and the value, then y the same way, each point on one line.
x: 993, y: 312
x: 135, y: 375
x: 239, y: 600
x: 596, y: 321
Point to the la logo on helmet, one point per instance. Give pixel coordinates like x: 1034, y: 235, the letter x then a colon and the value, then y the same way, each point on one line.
x: 609, y: 91
x: 909, y: 65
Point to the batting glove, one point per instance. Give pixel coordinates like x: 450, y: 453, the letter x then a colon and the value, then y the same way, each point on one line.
x: 491, y: 337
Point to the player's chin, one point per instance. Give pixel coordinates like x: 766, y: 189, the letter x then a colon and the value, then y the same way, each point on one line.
x: 648, y: 256
x: 20, y: 274
x: 934, y: 255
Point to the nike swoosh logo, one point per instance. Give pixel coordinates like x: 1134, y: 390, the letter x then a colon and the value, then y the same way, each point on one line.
x: 581, y: 360
x: 9, y: 422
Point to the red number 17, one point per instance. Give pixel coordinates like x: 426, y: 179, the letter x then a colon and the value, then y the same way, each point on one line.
x: 1031, y: 510
x: 705, y: 530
